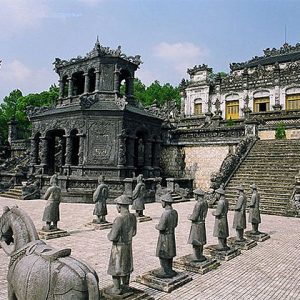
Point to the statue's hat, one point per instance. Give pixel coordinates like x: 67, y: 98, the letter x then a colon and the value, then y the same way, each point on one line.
x: 240, y: 188
x: 220, y: 191
x: 253, y: 186
x: 199, y: 192
x: 123, y: 199
x: 167, y: 198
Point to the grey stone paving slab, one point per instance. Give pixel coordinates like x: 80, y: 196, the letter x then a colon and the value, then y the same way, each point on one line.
x: 271, y: 270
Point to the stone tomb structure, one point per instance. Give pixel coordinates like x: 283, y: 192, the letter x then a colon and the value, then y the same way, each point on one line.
x: 94, y: 129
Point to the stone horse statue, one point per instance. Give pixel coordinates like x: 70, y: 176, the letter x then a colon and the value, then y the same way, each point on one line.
x: 37, y: 271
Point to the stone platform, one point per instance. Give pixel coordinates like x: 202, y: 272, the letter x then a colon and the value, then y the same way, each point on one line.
x: 261, y: 237
x: 98, y: 226
x: 212, y: 252
x: 52, y: 234
x: 243, y: 245
x: 144, y: 219
x: 164, y: 284
x: 187, y: 263
x: 131, y: 294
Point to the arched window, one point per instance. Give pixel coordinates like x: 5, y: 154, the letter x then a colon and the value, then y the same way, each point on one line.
x: 75, y: 147
x: 232, y: 107
x: 198, y: 106
x: 124, y: 83
x: 292, y: 98
x: 92, y: 80
x: 261, y: 101
x: 78, y: 83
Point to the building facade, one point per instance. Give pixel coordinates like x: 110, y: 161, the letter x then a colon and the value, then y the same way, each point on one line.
x: 262, y: 84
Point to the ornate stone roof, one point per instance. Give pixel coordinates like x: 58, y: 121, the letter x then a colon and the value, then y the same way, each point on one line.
x: 271, y: 56
x: 196, y: 68
x: 98, y: 51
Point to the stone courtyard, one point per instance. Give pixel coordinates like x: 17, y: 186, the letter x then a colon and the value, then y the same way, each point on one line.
x: 271, y: 270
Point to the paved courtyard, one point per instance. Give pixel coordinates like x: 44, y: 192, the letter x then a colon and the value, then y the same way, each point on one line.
x: 271, y: 270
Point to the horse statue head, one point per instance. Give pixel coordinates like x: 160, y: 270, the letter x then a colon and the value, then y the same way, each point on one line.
x: 16, y: 230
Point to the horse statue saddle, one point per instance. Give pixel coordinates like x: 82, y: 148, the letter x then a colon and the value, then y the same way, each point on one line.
x: 47, y: 252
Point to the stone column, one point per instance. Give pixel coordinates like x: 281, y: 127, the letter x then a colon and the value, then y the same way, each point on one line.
x: 70, y: 88
x: 130, y: 87
x: 12, y: 130
x: 116, y: 80
x: 86, y: 83
x: 61, y: 88
x: 44, y: 152
x: 81, y: 148
x: 34, y: 151
x: 156, y: 158
x: 128, y: 186
x: 148, y: 153
x: 130, y: 151
x: 122, y: 149
x: 68, y: 159
x: 97, y: 84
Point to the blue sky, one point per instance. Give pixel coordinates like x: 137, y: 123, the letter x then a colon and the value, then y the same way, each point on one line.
x: 170, y: 35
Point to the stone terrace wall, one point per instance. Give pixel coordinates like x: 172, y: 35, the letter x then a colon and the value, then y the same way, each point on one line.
x: 202, y: 161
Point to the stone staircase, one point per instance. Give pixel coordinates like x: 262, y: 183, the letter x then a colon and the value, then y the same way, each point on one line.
x: 15, y: 193
x: 272, y: 166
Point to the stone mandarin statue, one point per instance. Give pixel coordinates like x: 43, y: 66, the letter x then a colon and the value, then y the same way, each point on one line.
x: 239, y: 219
x: 197, y: 236
x: 99, y: 197
x: 121, y: 234
x: 138, y: 196
x: 221, y: 230
x: 53, y: 197
x: 166, y: 245
x: 254, y: 213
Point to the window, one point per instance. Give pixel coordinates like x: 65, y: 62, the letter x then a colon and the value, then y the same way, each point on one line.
x: 232, y: 110
x: 198, y: 108
x: 261, y: 104
x: 293, y: 102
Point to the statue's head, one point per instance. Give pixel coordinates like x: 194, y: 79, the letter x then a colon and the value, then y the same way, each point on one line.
x: 101, y: 178
x: 6, y: 233
x: 140, y: 178
x: 54, y: 180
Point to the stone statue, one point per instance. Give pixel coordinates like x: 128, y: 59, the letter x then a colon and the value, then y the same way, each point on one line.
x: 166, y: 245
x: 221, y: 230
x: 37, y: 271
x: 53, y: 197
x: 239, y: 220
x: 198, y: 232
x: 99, y: 197
x: 138, y: 196
x: 254, y: 213
x: 31, y: 190
x: 121, y: 234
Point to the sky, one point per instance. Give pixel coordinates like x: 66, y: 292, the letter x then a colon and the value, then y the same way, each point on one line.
x: 170, y: 35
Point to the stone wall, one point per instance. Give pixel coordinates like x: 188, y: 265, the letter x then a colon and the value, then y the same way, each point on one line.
x: 172, y: 161
x: 202, y: 161
x: 291, y: 134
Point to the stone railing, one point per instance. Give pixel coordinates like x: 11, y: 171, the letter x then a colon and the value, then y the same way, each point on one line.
x: 232, y: 162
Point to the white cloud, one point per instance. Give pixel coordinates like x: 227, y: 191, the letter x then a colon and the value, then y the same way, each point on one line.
x: 91, y: 2
x: 17, y: 15
x: 146, y: 76
x: 181, y: 55
x: 17, y: 75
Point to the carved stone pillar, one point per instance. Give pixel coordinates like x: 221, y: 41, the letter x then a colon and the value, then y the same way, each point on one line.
x: 122, y: 149
x: 130, y: 87
x: 156, y: 157
x: 97, y: 83
x: 12, y: 130
x: 81, y: 149
x: 148, y: 153
x: 86, y: 83
x: 44, y: 149
x: 68, y: 159
x: 34, y: 151
x: 61, y: 88
x: 117, y: 80
x: 70, y: 88
x: 130, y: 151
